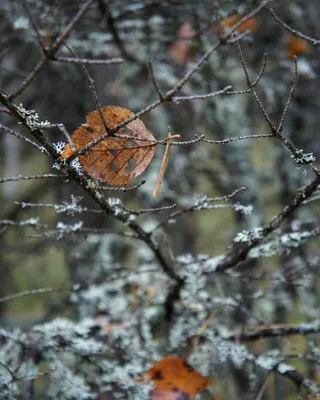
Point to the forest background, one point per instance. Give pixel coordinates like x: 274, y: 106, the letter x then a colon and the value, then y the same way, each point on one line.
x: 99, y: 282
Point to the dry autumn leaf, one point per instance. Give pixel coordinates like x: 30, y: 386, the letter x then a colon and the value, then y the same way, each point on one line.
x: 295, y: 46
x: 175, y: 379
x: 113, y: 160
x: 249, y: 25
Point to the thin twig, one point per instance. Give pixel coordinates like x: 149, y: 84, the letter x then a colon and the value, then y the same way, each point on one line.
x: 294, y: 32
x: 27, y: 178
x: 299, y: 379
x: 239, y: 251
x: 90, y: 83
x: 16, y: 134
x: 82, y: 181
x: 161, y: 141
x: 202, y: 96
x: 291, y: 93
x: 165, y: 264
x: 226, y: 90
x: 263, y: 67
x: 314, y: 198
x: 276, y: 131
x: 116, y: 188
x: 171, y: 93
x: 61, y: 233
x: 52, y: 50
x: 150, y: 210
x: 59, y: 208
x: 154, y: 81
x: 32, y: 293
x: 64, y: 131
x: 259, y: 332
x: 235, y: 139
x: 200, y: 205
x: 29, y: 79
x: 88, y: 61
x: 30, y: 222
x: 33, y: 24
x: 250, y: 86
x: 13, y: 378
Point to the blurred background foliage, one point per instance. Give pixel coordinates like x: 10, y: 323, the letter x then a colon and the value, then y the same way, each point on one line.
x: 283, y: 288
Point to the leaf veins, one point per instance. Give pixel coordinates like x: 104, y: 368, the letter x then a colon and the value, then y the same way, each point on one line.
x: 113, y: 160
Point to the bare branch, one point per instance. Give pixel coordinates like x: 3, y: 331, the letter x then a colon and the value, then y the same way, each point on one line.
x: 239, y: 251
x: 117, y: 188
x: 16, y: 134
x: 294, y: 32
x: 90, y: 83
x: 264, y: 331
x: 33, y: 222
x: 150, y: 210
x: 32, y: 292
x: 33, y: 24
x: 202, y: 204
x: 171, y: 93
x: 291, y: 93
x: 225, y: 90
x: 88, y: 61
x: 236, y: 139
x: 154, y: 81
x: 27, y: 178
x: 52, y: 50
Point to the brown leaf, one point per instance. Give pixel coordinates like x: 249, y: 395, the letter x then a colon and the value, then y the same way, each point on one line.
x: 113, y: 160
x: 175, y: 379
x: 249, y: 25
x: 295, y: 46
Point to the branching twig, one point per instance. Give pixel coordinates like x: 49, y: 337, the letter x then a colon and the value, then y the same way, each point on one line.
x: 32, y: 293
x: 96, y: 196
x: 276, y: 131
x: 203, y: 204
x: 171, y: 93
x: 90, y: 83
x: 16, y: 134
x: 239, y: 251
x: 52, y: 50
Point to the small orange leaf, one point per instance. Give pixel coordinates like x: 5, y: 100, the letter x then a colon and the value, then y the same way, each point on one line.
x: 295, y: 46
x: 249, y: 25
x: 109, y: 160
x: 175, y: 379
